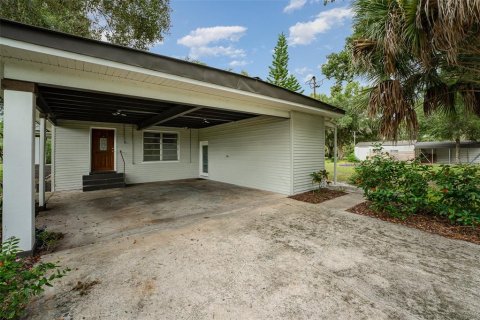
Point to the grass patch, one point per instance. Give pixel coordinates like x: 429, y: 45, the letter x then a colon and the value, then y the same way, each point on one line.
x: 345, y: 170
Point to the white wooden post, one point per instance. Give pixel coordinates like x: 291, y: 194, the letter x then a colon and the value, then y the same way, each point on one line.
x: 335, y: 155
x: 19, y: 167
x: 41, y: 164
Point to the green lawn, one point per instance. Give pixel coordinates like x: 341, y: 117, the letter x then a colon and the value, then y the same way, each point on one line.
x: 344, y: 170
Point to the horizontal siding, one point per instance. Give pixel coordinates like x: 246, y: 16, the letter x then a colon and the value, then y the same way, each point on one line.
x: 72, y: 154
x: 253, y: 153
x: 308, y: 134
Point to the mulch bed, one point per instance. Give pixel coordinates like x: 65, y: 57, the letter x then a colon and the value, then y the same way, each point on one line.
x: 318, y: 196
x: 429, y: 223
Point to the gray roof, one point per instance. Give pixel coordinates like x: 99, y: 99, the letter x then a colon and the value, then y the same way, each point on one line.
x: 386, y: 143
x: 446, y: 144
x: 98, y: 49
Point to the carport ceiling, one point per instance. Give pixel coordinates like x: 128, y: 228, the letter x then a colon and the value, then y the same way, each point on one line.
x: 70, y: 104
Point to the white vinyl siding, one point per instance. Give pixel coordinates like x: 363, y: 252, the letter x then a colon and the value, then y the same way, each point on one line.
x: 160, y: 146
x: 72, y: 154
x: 308, y: 133
x: 252, y: 153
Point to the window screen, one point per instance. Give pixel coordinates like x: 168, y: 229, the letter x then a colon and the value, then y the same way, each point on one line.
x: 159, y: 146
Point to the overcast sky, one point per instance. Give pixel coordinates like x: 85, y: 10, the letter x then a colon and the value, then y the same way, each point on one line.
x: 241, y: 34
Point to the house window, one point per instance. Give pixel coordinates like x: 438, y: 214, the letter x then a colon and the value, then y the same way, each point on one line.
x: 160, y: 146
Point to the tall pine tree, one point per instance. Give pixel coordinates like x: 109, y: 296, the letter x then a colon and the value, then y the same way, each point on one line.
x: 278, y: 71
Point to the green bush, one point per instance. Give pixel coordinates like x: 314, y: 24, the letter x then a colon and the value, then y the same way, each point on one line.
x: 320, y: 178
x: 20, y: 281
x: 456, y: 191
x: 397, y: 187
x: 403, y: 188
x: 352, y: 158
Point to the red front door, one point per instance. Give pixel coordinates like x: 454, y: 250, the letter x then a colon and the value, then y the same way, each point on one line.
x: 103, y: 150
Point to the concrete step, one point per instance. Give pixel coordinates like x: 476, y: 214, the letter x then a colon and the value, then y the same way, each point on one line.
x: 102, y: 176
x: 101, y: 181
x: 104, y: 186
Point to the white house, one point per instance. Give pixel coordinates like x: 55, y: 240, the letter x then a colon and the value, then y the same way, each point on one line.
x: 401, y: 150
x: 120, y: 115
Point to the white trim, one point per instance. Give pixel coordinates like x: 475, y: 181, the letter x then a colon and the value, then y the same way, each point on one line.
x: 200, y: 161
x: 118, y: 65
x: 114, y: 147
x: 161, y: 131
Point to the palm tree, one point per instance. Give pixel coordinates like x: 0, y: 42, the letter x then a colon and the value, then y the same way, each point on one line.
x: 412, y: 49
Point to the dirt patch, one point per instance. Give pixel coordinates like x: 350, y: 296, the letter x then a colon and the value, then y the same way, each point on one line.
x: 83, y: 288
x: 318, y: 196
x: 429, y: 223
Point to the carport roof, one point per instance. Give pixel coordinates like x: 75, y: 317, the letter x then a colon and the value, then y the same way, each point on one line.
x: 98, y: 49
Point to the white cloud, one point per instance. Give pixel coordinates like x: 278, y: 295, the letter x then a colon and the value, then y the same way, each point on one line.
x: 202, y: 41
x: 294, y: 5
x: 216, y: 51
x: 238, y: 63
x: 305, y: 32
x: 302, y: 71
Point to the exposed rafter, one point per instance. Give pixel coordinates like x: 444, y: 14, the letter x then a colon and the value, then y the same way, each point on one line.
x: 170, y: 114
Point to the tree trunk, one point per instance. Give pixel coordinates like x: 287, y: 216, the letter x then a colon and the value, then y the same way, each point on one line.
x: 457, y: 150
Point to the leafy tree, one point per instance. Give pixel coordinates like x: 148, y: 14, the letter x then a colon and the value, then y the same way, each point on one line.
x: 245, y: 73
x: 133, y: 23
x: 454, y: 126
x: 339, y: 66
x: 278, y: 71
x: 355, y: 118
x: 413, y: 49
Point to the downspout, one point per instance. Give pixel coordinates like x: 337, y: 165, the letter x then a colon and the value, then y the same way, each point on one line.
x: 335, y: 155
x: 292, y: 171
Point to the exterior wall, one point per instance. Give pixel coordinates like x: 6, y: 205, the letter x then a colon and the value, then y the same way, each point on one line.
x: 362, y: 152
x: 308, y: 141
x: 252, y: 153
x: 72, y: 154
x: 255, y: 153
x: 399, y: 152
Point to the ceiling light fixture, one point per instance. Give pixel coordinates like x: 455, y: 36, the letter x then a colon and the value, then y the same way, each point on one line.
x: 119, y: 113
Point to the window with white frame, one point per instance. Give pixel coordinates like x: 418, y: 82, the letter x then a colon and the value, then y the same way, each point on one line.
x: 160, y: 146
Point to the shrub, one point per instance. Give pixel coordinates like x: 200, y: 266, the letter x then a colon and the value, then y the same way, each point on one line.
x: 47, y: 240
x: 456, y: 192
x: 352, y: 158
x: 320, y: 178
x: 20, y: 280
x: 397, y: 187
x: 403, y: 188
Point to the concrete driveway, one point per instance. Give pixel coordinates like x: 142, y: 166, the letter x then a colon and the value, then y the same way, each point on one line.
x: 224, y: 252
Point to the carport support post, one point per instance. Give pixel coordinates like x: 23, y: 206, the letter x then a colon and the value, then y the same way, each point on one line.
x: 335, y: 155
x: 19, y: 165
x: 41, y: 164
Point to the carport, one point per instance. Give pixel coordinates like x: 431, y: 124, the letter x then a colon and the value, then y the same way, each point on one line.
x: 139, y: 117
